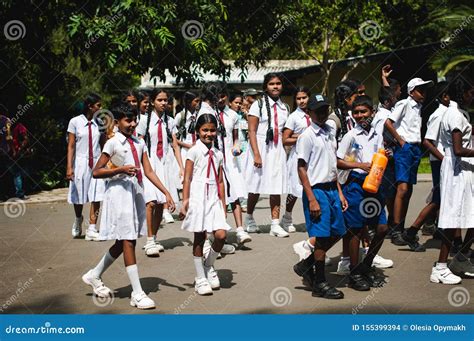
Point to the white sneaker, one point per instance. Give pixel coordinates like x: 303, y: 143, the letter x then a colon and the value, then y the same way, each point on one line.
x: 287, y: 224
x: 382, y: 263
x: 212, y: 277
x: 277, y: 231
x: 141, y: 301
x: 251, y: 225
x: 77, y: 227
x: 151, y: 249
x: 444, y: 276
x: 168, y: 217
x: 302, y: 249
x: 202, y: 286
x: 343, y: 267
x: 243, y: 237
x: 228, y: 249
x: 97, y: 285
x: 327, y: 260
x: 92, y: 235
x: 160, y: 247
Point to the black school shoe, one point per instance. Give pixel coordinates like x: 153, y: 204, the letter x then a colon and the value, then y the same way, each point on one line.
x: 371, y: 276
x: 413, y: 243
x: 397, y: 239
x: 358, y: 282
x: 324, y: 290
x: 305, y: 271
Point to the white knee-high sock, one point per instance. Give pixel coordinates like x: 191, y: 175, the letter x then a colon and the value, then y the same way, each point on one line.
x: 132, y: 272
x: 199, y: 267
x: 211, y: 258
x: 103, y: 265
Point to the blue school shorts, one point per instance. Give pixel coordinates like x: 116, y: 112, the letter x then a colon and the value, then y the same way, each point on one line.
x: 436, y: 174
x: 331, y: 221
x: 389, y: 184
x: 364, y: 208
x: 407, y: 160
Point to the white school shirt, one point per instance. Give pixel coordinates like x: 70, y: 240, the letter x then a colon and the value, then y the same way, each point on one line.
x: 368, y: 141
x: 282, y: 114
x: 317, y: 147
x: 206, y: 109
x: 79, y: 126
x: 199, y: 155
x: 231, y: 122
x: 454, y: 119
x: 153, y: 129
x: 189, y: 117
x: 433, y: 129
x: 406, y: 116
x: 297, y: 122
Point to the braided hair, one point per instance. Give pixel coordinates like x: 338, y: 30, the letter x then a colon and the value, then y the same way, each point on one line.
x: 268, y: 77
x: 341, y: 93
x: 149, y: 111
x: 210, y: 93
x: 188, y: 97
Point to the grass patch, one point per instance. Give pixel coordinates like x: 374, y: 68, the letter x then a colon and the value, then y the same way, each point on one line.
x: 425, y: 167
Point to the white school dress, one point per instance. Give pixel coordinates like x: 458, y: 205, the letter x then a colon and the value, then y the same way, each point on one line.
x: 190, y: 137
x: 123, y: 209
x: 297, y: 122
x: 272, y: 177
x: 457, y: 174
x: 161, y: 165
x: 205, y: 211
x: 84, y: 188
x: 235, y: 187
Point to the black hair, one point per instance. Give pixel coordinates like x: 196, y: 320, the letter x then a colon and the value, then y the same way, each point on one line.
x: 187, y: 99
x: 353, y: 84
x: 363, y: 100
x: 386, y: 93
x: 141, y: 96
x: 268, y: 77
x: 203, y: 119
x: 129, y: 93
x: 211, y: 91
x: 90, y: 99
x: 154, y: 93
x: 457, y: 89
x: 440, y: 89
x: 124, y: 110
x: 341, y: 93
x: 300, y: 89
x: 235, y: 95
x: 393, y: 83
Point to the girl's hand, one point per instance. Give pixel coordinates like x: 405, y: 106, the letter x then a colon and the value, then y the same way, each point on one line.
x: 170, y: 202
x: 366, y: 166
x: 236, y: 151
x: 69, y: 174
x: 257, y: 161
x: 314, y: 209
x: 128, y: 169
x: 344, y: 203
x: 184, y: 210
x: 181, y: 174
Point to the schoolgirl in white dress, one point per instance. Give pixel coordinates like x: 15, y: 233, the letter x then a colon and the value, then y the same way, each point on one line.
x: 83, y: 150
x: 204, y: 201
x: 158, y: 131
x: 457, y: 192
x: 296, y: 123
x: 185, y: 122
x: 265, y: 160
x: 123, y: 218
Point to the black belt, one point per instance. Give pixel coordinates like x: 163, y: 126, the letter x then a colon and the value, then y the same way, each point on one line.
x: 325, y: 185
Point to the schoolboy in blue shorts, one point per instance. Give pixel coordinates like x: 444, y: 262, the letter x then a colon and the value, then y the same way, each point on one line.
x: 365, y: 209
x: 323, y: 201
x: 404, y: 124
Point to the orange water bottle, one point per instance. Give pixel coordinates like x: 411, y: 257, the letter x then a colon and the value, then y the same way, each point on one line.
x: 374, y: 178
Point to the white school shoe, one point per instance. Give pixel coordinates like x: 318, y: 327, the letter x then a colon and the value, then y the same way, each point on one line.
x: 212, y: 277
x: 202, y: 286
x: 243, y: 237
x: 141, y: 301
x: 444, y: 276
x: 277, y: 231
x: 251, y: 225
x: 343, y: 267
x: 168, y: 218
x: 228, y: 249
x: 287, y: 224
x: 77, y: 227
x: 382, y: 263
x: 160, y: 247
x: 302, y: 249
x: 92, y: 235
x: 151, y: 249
x: 97, y: 285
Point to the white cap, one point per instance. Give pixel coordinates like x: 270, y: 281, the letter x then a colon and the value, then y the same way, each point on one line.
x: 413, y: 83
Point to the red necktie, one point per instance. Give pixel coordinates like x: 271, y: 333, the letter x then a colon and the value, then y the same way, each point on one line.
x: 210, y: 163
x: 136, y: 159
x: 275, y: 128
x: 193, y: 135
x: 91, y: 152
x: 159, y: 146
x: 221, y: 116
x: 307, y: 120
